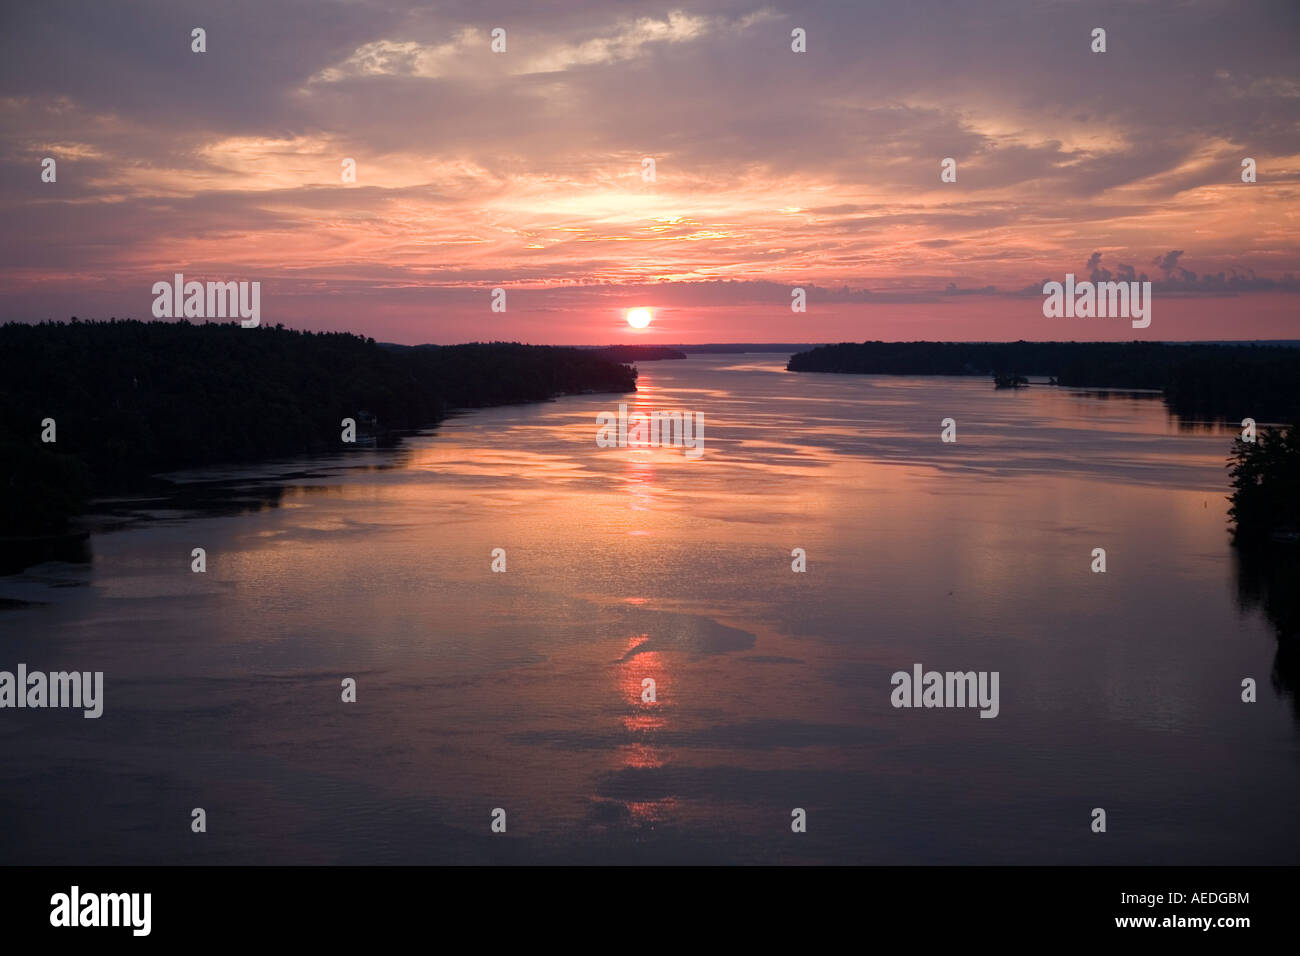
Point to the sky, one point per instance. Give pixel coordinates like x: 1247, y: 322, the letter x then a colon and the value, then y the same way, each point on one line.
x: 524, y: 170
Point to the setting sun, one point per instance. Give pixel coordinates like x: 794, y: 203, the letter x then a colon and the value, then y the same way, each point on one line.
x: 638, y: 318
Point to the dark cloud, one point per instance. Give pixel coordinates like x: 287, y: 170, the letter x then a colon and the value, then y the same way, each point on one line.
x: 1168, y: 261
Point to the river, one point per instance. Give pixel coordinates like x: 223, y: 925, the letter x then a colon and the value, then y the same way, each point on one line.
x: 524, y: 690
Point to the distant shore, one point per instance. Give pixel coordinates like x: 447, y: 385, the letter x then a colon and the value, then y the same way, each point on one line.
x: 1227, y: 382
x: 638, y: 353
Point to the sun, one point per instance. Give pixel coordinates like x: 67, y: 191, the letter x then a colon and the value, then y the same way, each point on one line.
x: 638, y: 318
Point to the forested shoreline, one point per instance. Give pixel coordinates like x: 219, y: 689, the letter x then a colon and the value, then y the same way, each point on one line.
x: 1216, y: 381
x: 1224, y: 382
x: 127, y: 399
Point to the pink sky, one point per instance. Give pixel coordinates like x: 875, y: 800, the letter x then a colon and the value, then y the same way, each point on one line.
x: 773, y: 169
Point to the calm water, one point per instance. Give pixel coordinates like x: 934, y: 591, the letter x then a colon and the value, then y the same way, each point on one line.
x: 522, y: 690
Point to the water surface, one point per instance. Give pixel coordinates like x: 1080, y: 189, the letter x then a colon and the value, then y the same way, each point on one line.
x: 523, y: 690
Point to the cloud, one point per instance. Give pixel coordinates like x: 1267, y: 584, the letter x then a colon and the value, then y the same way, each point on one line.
x: 468, y: 51
x: 1168, y: 261
x: 400, y: 58
x: 1236, y: 280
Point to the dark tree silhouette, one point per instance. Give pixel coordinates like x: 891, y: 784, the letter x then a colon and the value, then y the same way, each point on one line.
x: 1224, y: 382
x: 1266, y: 487
x: 130, y: 399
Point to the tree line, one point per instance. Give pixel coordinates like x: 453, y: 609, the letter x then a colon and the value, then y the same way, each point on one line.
x: 1219, y: 381
x: 129, y: 399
